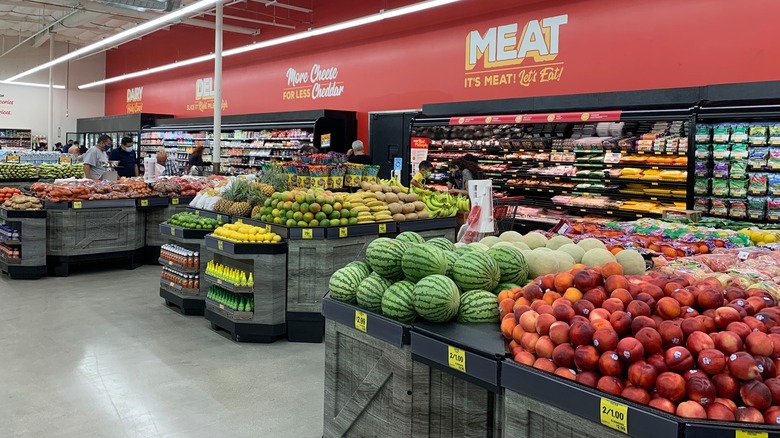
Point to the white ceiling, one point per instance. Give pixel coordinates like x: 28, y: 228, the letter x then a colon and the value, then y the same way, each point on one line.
x: 85, y: 21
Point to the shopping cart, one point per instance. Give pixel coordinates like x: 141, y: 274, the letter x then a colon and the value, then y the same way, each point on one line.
x: 505, y: 212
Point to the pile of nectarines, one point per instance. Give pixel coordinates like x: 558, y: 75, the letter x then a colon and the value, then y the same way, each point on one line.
x: 695, y: 348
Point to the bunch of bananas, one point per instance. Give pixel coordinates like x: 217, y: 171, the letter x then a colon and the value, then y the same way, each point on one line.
x: 368, y: 207
x: 438, y: 204
x: 393, y: 182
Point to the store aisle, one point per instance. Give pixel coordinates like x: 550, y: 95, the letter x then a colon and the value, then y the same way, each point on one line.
x: 98, y: 355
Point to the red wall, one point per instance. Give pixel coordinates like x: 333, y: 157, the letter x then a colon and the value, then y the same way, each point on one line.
x: 607, y: 45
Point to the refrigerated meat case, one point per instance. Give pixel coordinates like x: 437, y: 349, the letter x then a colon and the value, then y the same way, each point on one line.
x: 88, y: 130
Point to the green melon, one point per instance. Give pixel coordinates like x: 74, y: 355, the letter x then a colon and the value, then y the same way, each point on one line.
x: 410, y: 236
x: 370, y: 291
x: 476, y: 270
x: 343, y: 283
x: 504, y: 286
x: 398, y: 302
x: 512, y: 264
x: 478, y: 306
x: 384, y: 256
x: 465, y: 249
x: 441, y: 243
x: 436, y: 298
x: 360, y: 265
x: 420, y: 261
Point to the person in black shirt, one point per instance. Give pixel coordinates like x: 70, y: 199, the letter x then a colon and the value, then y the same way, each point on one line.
x: 357, y: 154
x: 126, y: 156
x: 195, y: 162
x: 82, y: 148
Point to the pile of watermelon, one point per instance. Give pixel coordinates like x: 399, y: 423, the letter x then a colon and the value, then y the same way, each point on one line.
x: 406, y: 278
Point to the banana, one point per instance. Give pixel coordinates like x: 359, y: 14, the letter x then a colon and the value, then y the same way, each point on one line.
x: 375, y: 203
x: 378, y: 208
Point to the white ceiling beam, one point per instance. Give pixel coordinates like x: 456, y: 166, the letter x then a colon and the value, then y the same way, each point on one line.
x: 275, y: 3
x: 251, y: 20
x: 41, y: 39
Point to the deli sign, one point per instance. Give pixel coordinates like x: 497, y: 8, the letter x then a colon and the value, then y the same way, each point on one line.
x: 519, y: 53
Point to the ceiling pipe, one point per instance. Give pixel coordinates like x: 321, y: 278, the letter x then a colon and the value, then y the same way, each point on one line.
x: 251, y: 20
x: 275, y: 3
x: 41, y: 31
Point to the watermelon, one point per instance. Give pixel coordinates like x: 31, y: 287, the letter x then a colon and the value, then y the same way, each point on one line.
x: 478, y: 306
x: 504, y: 286
x: 410, y: 236
x: 370, y: 291
x: 343, y: 283
x: 397, y: 302
x: 512, y: 264
x: 436, y: 298
x: 465, y: 249
x: 423, y: 260
x: 476, y: 270
x: 362, y: 265
x: 441, y: 243
x: 384, y: 256
x: 451, y: 259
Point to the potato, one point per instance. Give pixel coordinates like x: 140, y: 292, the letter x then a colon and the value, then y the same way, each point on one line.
x: 395, y: 208
x: 365, y: 185
x: 399, y: 217
x: 396, y: 189
x: 391, y: 197
x: 419, y: 205
x: 412, y: 216
x: 407, y: 208
x: 380, y: 196
x: 423, y: 214
x: 411, y: 197
x: 402, y: 197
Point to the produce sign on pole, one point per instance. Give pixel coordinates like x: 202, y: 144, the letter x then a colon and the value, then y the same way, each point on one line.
x: 419, y: 151
x: 12, y: 159
x: 65, y: 160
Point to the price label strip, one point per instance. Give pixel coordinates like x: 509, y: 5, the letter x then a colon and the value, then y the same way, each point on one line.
x: 144, y: 202
x: 173, y: 231
x: 174, y: 201
x: 614, y: 415
x: 306, y: 233
x: 456, y: 358
x: 343, y: 231
x: 751, y: 434
x: 219, y: 245
x: 76, y: 204
x: 361, y: 321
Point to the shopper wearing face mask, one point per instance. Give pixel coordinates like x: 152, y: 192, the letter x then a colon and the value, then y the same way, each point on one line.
x: 96, y: 160
x: 126, y: 157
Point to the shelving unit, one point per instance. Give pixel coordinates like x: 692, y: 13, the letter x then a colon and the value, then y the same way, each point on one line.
x: 626, y: 164
x: 187, y: 301
x: 737, y: 162
x: 248, y: 141
x: 267, y: 263
x: 23, y: 250
x: 15, y: 138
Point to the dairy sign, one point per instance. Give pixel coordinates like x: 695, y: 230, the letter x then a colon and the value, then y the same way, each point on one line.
x: 317, y: 82
x: 204, y: 96
x: 515, y: 54
x: 135, y: 102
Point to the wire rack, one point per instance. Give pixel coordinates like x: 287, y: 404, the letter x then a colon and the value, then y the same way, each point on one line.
x: 505, y: 212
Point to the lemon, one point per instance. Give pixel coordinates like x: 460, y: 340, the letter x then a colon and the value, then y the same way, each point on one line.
x: 261, y: 231
x: 277, y: 238
x: 770, y: 238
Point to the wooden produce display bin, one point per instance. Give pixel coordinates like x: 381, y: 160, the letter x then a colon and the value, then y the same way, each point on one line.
x: 446, y: 227
x: 31, y: 244
x: 314, y: 254
x: 374, y: 387
x: 268, y: 263
x: 157, y: 213
x: 183, y: 301
x: 88, y: 231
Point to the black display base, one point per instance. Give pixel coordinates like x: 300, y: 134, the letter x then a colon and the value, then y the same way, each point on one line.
x: 23, y: 272
x: 306, y: 327
x: 151, y: 255
x: 184, y: 305
x: 61, y: 266
x: 241, y: 331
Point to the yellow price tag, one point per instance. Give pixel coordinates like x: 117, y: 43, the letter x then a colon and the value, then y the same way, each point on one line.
x: 173, y: 231
x: 197, y: 212
x: 219, y: 245
x: 174, y: 201
x: 751, y: 434
x: 171, y: 283
x: 219, y: 281
x: 306, y: 233
x: 361, y: 320
x: 382, y: 228
x: 268, y: 228
x: 170, y: 262
x: 343, y: 232
x: 222, y: 307
x: 77, y: 204
x: 219, y: 218
x: 144, y: 202
x: 614, y: 415
x: 456, y: 358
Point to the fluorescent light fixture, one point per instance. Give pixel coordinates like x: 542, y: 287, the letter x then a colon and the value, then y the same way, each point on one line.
x: 137, y: 30
x: 30, y: 84
x: 392, y: 13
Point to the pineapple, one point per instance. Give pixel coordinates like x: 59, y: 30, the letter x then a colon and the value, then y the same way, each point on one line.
x: 238, y: 194
x: 256, y: 211
x: 274, y: 177
x: 222, y: 206
x: 242, y: 209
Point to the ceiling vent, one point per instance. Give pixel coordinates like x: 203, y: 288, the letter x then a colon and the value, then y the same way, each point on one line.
x: 145, y: 5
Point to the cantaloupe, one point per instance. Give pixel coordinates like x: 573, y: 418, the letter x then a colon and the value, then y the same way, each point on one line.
x: 576, y: 252
x: 541, y: 263
x: 521, y: 245
x: 590, y: 243
x: 597, y: 257
x: 558, y: 241
x: 481, y: 246
x: 534, y: 240
x: 489, y: 241
x: 632, y: 262
x: 511, y: 236
x: 504, y: 244
x: 565, y: 261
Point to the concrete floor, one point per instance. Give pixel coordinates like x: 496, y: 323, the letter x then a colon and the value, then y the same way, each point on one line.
x: 98, y: 354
